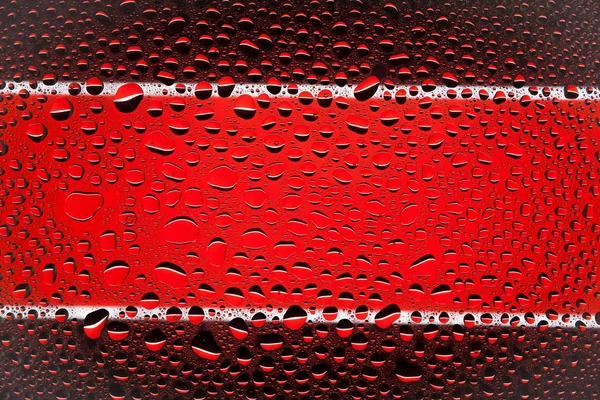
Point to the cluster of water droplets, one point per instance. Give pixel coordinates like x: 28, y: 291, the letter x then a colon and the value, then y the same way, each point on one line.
x: 200, y: 217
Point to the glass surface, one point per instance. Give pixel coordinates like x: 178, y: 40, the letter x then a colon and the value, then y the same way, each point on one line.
x: 303, y: 199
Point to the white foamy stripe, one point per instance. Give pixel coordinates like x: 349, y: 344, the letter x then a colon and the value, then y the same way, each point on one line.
x: 440, y: 92
x: 313, y: 315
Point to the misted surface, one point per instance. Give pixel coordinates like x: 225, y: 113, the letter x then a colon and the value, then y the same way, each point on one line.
x: 314, y: 199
